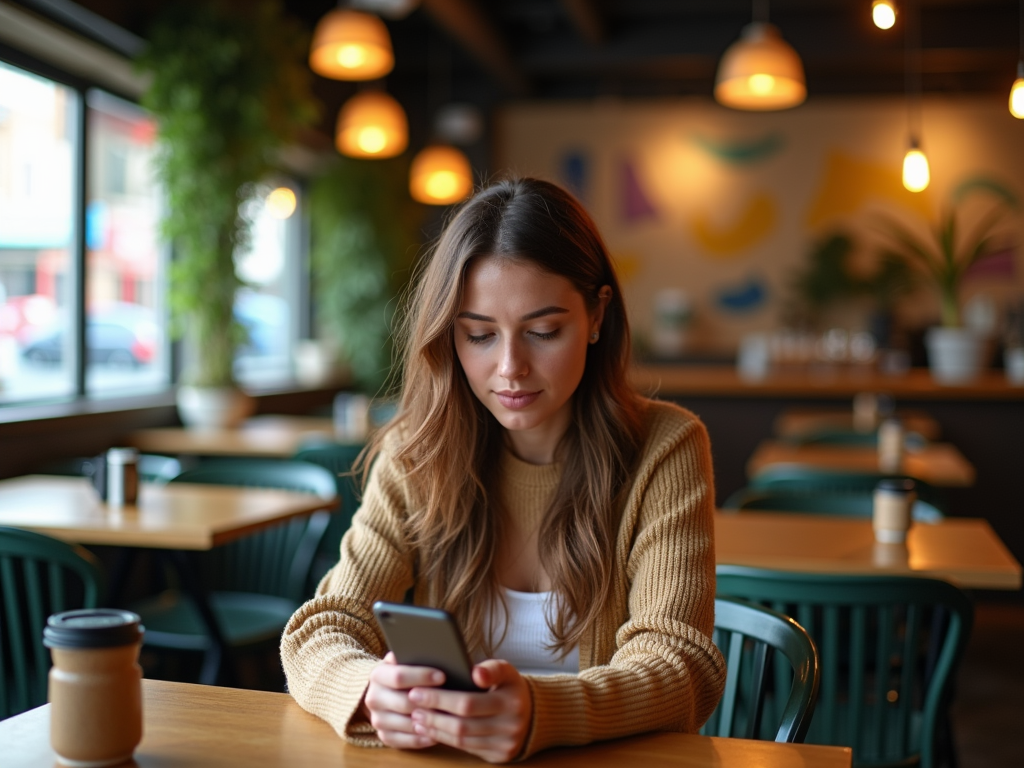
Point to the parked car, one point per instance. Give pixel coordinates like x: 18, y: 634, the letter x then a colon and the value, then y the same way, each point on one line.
x: 121, y: 334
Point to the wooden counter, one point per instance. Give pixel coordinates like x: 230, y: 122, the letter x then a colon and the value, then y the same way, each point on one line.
x: 829, y: 382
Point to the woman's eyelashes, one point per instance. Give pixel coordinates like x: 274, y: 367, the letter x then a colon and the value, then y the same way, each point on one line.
x: 482, y: 338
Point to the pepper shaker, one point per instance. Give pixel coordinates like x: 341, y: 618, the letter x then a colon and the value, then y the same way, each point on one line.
x: 122, y: 476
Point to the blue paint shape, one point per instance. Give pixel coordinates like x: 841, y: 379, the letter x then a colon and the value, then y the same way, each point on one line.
x: 97, y: 225
x: 743, y: 297
x: 741, y: 152
x: 635, y: 204
x: 575, y: 173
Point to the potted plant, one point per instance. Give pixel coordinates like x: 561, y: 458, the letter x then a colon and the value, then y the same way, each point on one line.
x: 955, y: 353
x: 365, y: 234
x: 227, y: 89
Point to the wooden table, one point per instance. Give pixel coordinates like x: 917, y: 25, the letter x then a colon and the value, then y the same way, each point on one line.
x: 938, y: 464
x: 190, y: 725
x: 266, y: 436
x: 176, y: 519
x: 179, y: 516
x: 797, y: 422
x: 964, y: 551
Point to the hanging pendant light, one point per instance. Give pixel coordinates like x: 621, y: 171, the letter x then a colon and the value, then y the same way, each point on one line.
x: 916, y: 174
x: 883, y: 13
x: 372, y: 125
x: 440, y: 175
x: 350, y: 45
x: 1017, y: 91
x: 760, y: 71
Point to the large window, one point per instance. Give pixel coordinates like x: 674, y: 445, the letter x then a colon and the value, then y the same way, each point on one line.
x: 37, y: 151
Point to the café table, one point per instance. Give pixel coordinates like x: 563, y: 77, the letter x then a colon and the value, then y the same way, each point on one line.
x: 938, y: 464
x: 267, y: 436
x: 963, y: 551
x: 189, y: 725
x: 798, y: 422
x: 176, y: 519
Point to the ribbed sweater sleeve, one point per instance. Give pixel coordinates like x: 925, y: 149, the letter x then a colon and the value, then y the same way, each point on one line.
x: 664, y: 672
x: 333, y: 642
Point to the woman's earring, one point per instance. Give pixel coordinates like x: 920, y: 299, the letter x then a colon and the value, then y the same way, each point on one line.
x: 594, y: 337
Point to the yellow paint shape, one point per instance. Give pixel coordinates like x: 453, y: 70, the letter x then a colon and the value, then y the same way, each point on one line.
x: 753, y: 225
x: 849, y: 183
x: 626, y: 266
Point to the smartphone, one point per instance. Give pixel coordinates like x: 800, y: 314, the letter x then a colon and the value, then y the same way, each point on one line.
x: 427, y: 637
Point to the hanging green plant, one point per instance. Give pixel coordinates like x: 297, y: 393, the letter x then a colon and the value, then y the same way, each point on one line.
x: 365, y: 234
x: 228, y: 88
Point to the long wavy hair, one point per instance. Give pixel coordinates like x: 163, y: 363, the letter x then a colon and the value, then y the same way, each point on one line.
x: 448, y: 444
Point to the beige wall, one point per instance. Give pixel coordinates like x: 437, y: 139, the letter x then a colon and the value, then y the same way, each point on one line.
x: 733, y: 201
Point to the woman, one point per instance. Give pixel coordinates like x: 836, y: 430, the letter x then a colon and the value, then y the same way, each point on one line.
x: 564, y: 520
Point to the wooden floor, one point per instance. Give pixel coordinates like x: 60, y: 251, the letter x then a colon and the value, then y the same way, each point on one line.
x: 988, y: 713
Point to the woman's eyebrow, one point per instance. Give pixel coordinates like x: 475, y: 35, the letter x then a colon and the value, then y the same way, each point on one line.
x: 528, y: 316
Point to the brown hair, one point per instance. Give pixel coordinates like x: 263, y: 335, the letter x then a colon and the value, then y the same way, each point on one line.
x: 442, y: 429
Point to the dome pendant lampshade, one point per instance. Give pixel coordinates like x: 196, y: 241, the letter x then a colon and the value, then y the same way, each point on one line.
x: 916, y: 175
x: 440, y: 175
x: 349, y: 45
x: 372, y: 125
x: 760, y: 71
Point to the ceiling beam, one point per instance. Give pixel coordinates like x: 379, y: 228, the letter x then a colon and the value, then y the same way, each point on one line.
x: 463, y: 20
x: 587, y: 20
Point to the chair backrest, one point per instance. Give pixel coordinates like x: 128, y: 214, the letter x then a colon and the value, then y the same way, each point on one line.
x: 853, y: 504
x: 804, y: 479
x: 889, y: 648
x: 39, y: 576
x: 763, y: 699
x: 277, y: 560
x: 337, y: 458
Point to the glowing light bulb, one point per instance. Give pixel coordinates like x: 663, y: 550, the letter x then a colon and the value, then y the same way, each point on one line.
x: 1017, y: 99
x: 883, y: 14
x: 280, y: 203
x: 915, y: 171
x: 372, y: 139
x: 762, y: 84
x: 352, y: 56
x: 442, y: 184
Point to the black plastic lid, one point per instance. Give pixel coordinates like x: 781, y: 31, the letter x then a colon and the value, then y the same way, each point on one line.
x: 92, y: 628
x: 896, y: 485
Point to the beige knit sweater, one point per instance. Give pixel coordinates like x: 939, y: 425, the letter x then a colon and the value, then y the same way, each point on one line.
x: 648, y: 664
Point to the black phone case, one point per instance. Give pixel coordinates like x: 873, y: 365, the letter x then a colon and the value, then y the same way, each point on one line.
x: 427, y: 637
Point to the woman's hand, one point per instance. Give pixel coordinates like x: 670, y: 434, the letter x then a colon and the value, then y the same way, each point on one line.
x: 387, y: 703
x: 491, y: 725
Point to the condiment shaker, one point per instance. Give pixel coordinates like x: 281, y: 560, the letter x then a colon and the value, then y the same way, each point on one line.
x: 95, y: 686
x: 890, y: 446
x: 122, y: 476
x: 893, y: 502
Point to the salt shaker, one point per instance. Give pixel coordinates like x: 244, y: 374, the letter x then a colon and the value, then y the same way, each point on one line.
x: 890, y: 446
x: 95, y: 686
x: 122, y: 476
x: 893, y: 501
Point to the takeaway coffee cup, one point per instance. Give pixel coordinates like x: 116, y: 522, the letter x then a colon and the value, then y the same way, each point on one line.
x: 893, y: 501
x: 95, y: 686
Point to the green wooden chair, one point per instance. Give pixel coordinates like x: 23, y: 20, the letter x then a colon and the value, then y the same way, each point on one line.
x: 759, y: 694
x: 889, y: 649
x: 254, y: 584
x: 804, y: 479
x: 853, y: 504
x: 39, y: 576
x: 338, y: 458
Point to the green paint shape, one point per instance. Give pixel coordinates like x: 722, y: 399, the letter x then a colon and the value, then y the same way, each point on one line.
x: 741, y: 152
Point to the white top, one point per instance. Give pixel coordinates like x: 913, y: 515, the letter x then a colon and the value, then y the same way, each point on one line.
x: 526, y: 642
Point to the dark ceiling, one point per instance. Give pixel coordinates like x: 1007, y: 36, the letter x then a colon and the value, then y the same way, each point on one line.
x: 491, y: 51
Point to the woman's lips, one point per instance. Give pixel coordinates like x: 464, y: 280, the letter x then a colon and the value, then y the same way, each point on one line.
x: 516, y: 400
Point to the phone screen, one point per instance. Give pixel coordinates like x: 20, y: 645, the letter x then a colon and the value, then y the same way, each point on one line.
x: 427, y: 637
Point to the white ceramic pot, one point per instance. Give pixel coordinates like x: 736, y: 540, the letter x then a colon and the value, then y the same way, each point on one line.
x: 955, y: 355
x: 213, y: 407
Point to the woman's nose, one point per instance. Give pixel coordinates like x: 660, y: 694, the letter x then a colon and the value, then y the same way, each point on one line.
x: 513, y: 364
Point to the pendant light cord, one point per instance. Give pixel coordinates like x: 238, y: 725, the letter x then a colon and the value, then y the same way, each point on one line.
x: 759, y: 11
x: 912, y: 69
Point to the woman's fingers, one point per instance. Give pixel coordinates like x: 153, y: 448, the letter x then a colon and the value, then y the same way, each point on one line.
x: 403, y: 677
x: 402, y: 740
